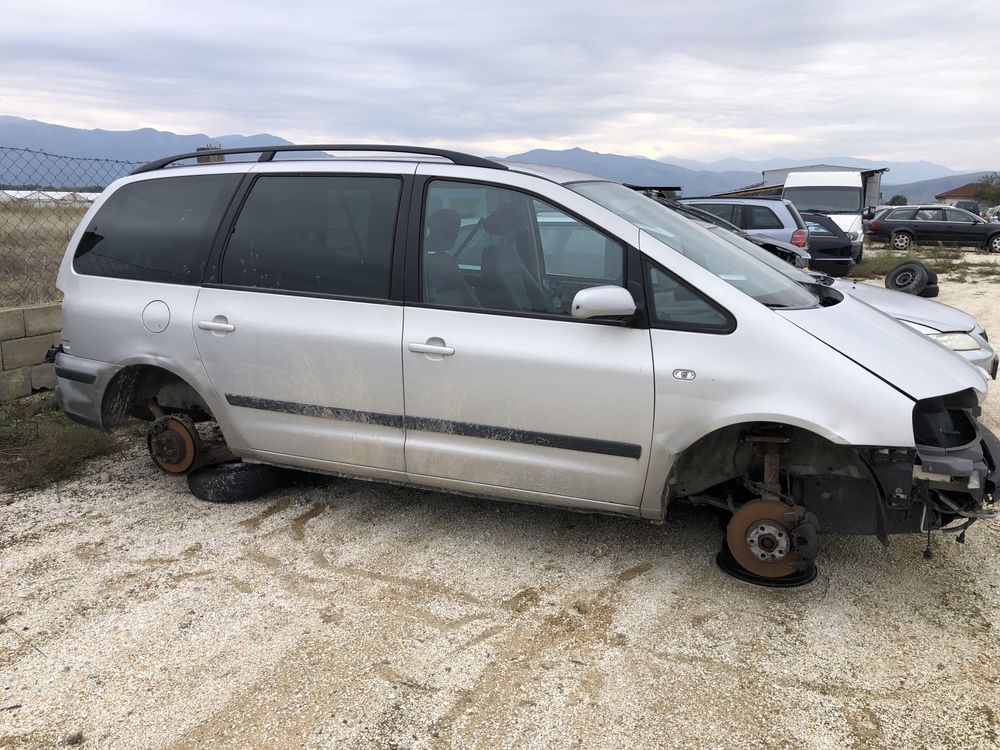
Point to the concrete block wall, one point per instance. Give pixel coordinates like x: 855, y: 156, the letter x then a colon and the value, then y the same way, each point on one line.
x: 26, y: 333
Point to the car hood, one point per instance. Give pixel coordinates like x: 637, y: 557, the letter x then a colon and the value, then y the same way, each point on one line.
x: 911, y: 362
x: 847, y: 222
x: 909, y: 307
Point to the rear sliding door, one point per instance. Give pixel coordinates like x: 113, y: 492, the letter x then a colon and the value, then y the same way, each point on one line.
x: 298, y: 334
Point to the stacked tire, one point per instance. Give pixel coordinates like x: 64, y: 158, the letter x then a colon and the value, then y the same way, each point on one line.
x: 913, y: 277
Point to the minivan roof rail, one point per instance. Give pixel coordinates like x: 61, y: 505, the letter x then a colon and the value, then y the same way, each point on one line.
x: 267, y: 153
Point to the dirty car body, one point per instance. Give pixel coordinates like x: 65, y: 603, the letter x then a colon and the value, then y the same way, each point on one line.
x: 560, y: 339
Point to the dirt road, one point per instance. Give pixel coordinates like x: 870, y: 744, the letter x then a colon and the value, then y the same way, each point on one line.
x: 354, y: 615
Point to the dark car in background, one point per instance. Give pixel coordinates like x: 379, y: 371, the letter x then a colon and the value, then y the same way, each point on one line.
x: 972, y: 207
x: 918, y: 225
x: 829, y: 245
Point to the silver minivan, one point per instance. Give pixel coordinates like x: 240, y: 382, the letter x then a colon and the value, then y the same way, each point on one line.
x: 427, y: 317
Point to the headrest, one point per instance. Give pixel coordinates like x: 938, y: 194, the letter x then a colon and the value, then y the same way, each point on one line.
x: 442, y: 229
x: 505, y: 220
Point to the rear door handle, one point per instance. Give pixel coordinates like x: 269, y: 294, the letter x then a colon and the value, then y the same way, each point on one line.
x: 219, y: 325
x: 444, y: 351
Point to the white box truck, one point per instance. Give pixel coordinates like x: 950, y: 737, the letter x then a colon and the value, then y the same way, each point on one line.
x: 846, y: 197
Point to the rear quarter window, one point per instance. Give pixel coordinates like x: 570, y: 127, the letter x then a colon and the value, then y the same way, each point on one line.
x: 761, y: 217
x: 796, y: 216
x: 156, y: 230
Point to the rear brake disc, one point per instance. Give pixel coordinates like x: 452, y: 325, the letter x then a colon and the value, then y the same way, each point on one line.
x: 173, y: 443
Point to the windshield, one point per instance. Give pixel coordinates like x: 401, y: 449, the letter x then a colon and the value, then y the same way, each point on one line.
x: 830, y: 200
x: 779, y: 265
x: 732, y: 265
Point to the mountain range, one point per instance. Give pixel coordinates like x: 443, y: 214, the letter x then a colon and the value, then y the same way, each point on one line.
x: 917, y: 180
x: 900, y: 172
x: 141, y: 145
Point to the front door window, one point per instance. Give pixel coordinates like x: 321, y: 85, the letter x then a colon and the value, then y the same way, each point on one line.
x: 494, y: 248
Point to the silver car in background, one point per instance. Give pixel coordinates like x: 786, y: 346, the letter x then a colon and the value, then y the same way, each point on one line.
x: 435, y: 319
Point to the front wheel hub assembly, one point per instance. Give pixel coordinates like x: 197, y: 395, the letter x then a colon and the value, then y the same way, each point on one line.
x: 173, y: 443
x: 769, y: 543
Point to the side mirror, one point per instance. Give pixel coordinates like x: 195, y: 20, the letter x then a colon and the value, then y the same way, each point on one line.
x: 870, y: 213
x: 603, y: 302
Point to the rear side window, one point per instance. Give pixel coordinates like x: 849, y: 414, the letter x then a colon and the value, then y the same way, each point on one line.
x: 728, y: 211
x: 156, y: 230
x: 318, y: 234
x: 818, y: 229
x: 761, y: 217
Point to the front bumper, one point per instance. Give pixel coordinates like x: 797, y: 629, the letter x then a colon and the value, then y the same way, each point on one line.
x: 930, y: 488
x: 984, y: 358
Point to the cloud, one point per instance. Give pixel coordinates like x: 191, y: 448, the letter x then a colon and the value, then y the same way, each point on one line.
x: 707, y: 80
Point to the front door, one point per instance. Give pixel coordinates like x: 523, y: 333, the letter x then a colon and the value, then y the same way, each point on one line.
x: 298, y: 336
x: 963, y: 227
x: 504, y: 388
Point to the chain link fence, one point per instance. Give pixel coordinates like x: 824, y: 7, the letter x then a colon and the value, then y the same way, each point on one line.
x: 42, y: 199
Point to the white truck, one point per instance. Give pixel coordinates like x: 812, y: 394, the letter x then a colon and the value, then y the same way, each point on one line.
x: 845, y: 196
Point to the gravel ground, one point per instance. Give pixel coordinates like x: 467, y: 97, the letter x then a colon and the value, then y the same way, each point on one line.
x: 344, y: 614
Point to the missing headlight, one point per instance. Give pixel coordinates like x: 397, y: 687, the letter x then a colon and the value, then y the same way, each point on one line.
x: 945, y: 421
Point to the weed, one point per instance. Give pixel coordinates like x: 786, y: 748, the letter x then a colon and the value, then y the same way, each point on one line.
x: 39, y: 445
x: 940, y: 260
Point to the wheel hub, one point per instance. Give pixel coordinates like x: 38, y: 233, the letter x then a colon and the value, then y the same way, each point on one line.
x: 904, y: 279
x: 767, y: 541
x: 173, y: 443
x: 770, y: 539
x: 167, y: 447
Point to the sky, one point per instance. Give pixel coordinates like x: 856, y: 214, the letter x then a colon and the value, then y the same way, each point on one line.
x: 702, y: 80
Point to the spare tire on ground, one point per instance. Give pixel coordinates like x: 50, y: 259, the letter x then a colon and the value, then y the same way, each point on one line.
x: 910, y: 277
x: 235, y: 481
x: 931, y: 290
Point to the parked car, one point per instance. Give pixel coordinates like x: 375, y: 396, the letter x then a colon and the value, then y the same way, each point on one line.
x: 993, y: 214
x: 830, y: 246
x: 917, y: 225
x: 769, y: 216
x: 970, y: 206
x: 783, y: 250
x: 948, y: 326
x: 599, y: 352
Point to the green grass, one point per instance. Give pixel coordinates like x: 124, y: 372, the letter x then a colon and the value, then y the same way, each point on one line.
x: 39, y: 445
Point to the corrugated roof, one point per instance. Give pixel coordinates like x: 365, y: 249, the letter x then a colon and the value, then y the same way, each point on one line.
x: 962, y: 191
